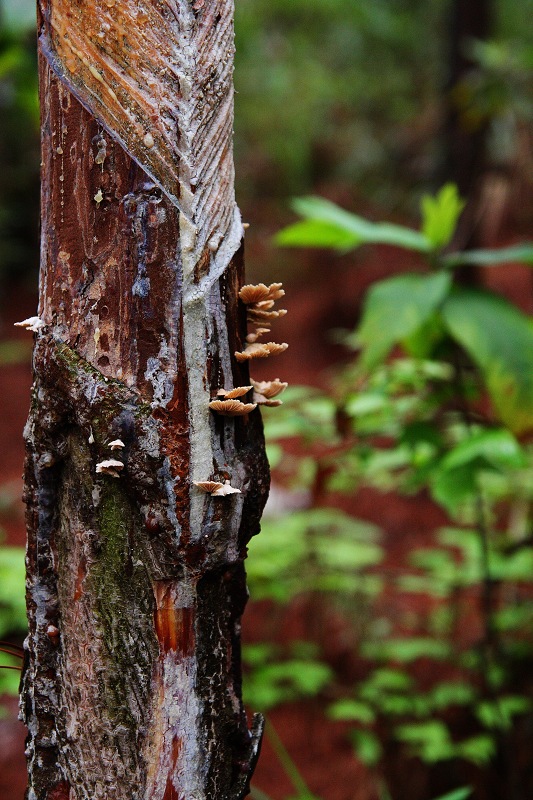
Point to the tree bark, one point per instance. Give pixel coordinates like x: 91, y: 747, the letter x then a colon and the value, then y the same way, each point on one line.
x: 465, y: 142
x: 135, y: 577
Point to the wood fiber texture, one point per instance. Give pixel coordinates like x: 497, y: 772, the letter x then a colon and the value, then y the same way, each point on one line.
x: 135, y: 577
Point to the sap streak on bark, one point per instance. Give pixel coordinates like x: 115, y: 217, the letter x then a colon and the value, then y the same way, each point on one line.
x: 139, y: 698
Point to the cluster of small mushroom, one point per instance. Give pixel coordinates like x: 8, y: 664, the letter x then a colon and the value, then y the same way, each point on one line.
x: 111, y: 466
x: 228, y: 403
x: 259, y: 300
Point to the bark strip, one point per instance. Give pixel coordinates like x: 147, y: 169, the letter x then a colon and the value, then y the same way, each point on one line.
x: 135, y: 580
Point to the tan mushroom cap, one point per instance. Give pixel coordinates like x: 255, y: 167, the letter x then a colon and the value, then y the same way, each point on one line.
x: 231, y: 408
x: 266, y: 401
x: 255, y: 335
x: 225, y: 490
x: 260, y: 316
x: 258, y: 350
x: 208, y: 486
x: 216, y: 489
x: 232, y: 394
x: 257, y: 293
x: 269, y: 389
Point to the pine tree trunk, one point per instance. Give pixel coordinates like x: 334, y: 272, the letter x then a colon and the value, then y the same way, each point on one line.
x: 135, y: 582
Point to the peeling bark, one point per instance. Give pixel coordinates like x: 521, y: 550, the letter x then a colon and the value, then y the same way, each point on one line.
x: 135, y: 577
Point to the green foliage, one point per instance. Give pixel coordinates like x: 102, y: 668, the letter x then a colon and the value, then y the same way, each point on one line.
x: 294, y: 122
x: 440, y: 215
x: 410, y: 414
x: 274, y: 680
x: 367, y: 746
x: 499, y: 339
x: 19, y: 141
x: 319, y: 550
x: 395, y: 309
x: 12, y: 611
x: 495, y: 335
x: 457, y: 794
x: 12, y: 593
x: 522, y: 253
x: 327, y: 225
x: 430, y: 739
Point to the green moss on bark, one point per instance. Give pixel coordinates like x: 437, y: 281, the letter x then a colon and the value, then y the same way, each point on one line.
x: 124, y: 602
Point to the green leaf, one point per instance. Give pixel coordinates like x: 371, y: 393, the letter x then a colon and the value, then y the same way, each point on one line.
x: 498, y: 446
x: 348, y: 709
x: 440, y: 215
x: 451, y: 693
x: 458, y: 794
x: 9, y: 678
x: 367, y: 747
x: 478, y: 749
x: 406, y: 650
x: 327, y: 225
x: 456, y: 479
x: 258, y: 794
x: 12, y: 590
x: 430, y: 739
x: 499, y: 713
x: 499, y: 339
x: 395, y: 308
x: 452, y: 488
x: 274, y: 454
x: 317, y: 233
x: 14, y: 352
x: 386, y: 680
x: 522, y: 253
x: 270, y: 685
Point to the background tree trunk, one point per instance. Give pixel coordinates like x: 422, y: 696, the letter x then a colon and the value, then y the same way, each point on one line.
x: 135, y: 581
x: 465, y: 142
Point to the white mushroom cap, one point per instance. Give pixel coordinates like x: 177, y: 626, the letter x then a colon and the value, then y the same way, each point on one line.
x: 216, y: 489
x: 226, y: 489
x: 31, y: 324
x: 110, y: 467
x: 116, y: 444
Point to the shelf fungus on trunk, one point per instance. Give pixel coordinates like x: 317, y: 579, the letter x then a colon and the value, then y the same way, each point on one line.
x: 266, y: 392
x: 231, y: 408
x: 257, y: 334
x: 233, y: 394
x: 259, y: 316
x: 110, y: 467
x: 259, y: 350
x: 216, y: 489
x: 258, y: 293
x: 33, y: 324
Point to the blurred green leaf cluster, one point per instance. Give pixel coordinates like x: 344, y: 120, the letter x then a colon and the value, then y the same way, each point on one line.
x: 19, y: 141
x: 12, y: 611
x: 437, y: 398
x: 351, y: 93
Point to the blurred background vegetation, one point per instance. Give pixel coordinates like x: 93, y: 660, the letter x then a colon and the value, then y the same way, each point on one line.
x: 372, y: 105
x: 351, y: 97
